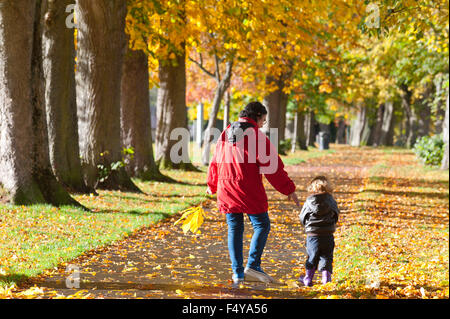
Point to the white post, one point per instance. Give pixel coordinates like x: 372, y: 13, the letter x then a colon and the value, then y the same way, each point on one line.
x: 226, y: 110
x: 296, y: 132
x: 199, y: 123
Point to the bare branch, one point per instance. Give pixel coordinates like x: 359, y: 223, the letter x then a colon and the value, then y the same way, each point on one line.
x: 200, y: 65
x: 217, y: 63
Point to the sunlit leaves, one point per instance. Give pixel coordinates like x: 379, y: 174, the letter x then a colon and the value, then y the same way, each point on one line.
x: 192, y: 219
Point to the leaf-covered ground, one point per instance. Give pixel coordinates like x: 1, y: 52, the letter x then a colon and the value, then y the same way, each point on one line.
x: 39, y: 237
x: 391, y: 242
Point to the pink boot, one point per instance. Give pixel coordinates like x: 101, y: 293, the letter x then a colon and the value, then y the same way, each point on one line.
x: 307, y: 280
x: 326, y: 276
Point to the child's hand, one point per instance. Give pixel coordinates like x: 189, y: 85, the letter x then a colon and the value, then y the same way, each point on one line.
x: 293, y: 197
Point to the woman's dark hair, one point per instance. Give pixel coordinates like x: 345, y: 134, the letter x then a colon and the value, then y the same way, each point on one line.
x: 253, y: 110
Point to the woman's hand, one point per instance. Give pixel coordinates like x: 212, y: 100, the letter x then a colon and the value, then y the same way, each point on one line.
x: 208, y: 191
x: 293, y: 197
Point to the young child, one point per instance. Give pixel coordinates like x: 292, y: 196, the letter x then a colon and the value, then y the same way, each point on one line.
x: 319, y: 216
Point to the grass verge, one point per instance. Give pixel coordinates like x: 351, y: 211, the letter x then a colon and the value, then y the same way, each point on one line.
x: 38, y: 237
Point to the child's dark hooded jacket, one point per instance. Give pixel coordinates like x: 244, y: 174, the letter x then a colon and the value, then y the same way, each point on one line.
x: 319, y: 214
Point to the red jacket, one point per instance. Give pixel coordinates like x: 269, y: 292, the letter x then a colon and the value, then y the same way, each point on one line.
x: 236, y: 169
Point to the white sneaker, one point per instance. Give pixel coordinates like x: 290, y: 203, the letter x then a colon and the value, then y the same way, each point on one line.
x: 237, y: 280
x: 254, y: 275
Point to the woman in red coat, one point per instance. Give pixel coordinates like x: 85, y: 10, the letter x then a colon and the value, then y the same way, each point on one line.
x: 242, y: 155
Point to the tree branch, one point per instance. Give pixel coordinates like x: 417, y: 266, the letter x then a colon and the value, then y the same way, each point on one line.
x: 200, y: 65
x: 217, y: 63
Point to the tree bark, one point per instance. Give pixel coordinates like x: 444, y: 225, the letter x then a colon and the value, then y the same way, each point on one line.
x: 310, y: 130
x: 222, y: 85
x: 276, y: 103
x: 52, y: 190
x: 282, y: 116
x: 439, y: 122
x: 359, y: 126
x: 299, y: 139
x: 341, y: 132
x: 411, y: 116
x: 25, y: 169
x: 445, y: 131
x: 60, y: 99
x: 387, y: 128
x: 101, y: 45
x: 16, y: 138
x: 135, y: 117
x: 440, y: 111
x: 378, y: 125
x: 171, y: 112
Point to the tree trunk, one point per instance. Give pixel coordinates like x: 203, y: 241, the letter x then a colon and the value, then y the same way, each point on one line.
x: 60, y: 99
x: 135, y: 117
x: 341, y: 132
x: 25, y: 169
x: 52, y: 190
x: 310, y: 129
x: 222, y: 86
x: 299, y: 139
x: 440, y: 108
x: 276, y: 103
x: 378, y: 126
x: 387, y: 128
x: 359, y: 126
x: 424, y: 121
x: 101, y: 45
x: 424, y: 113
x: 445, y: 131
x: 439, y: 122
x: 366, y: 132
x: 171, y: 113
x: 16, y: 138
x: 391, y: 132
x: 405, y: 125
x: 411, y: 116
x: 282, y: 116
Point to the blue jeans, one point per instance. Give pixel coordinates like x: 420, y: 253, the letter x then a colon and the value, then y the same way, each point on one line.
x: 261, y: 229
x: 320, y: 252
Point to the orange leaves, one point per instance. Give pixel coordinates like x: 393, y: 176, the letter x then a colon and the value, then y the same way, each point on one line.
x: 398, y: 232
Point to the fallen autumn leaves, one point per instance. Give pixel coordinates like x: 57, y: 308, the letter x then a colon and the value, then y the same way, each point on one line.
x: 391, y: 242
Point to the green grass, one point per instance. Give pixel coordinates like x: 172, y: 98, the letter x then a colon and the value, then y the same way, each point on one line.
x: 38, y: 237
x: 301, y: 156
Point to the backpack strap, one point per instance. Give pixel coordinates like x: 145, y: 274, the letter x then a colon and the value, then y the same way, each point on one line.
x: 236, y: 130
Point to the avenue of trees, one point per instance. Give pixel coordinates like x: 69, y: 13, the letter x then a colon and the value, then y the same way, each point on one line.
x: 75, y: 80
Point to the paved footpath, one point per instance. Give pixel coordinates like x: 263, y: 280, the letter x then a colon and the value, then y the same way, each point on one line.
x: 161, y: 262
